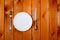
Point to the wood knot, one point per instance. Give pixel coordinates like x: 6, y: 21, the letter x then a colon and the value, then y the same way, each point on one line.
x: 43, y: 14
x: 0, y: 34
x: 5, y: 8
x: 54, y: 2
x: 52, y: 33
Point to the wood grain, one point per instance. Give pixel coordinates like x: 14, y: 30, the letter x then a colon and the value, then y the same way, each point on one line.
x: 44, y: 20
x: 47, y: 23
x: 7, y: 8
x: 36, y: 32
x: 2, y: 20
x: 17, y: 35
x: 53, y: 19
x: 58, y: 12
x: 27, y: 8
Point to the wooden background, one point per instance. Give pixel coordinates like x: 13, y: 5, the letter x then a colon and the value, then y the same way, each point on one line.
x: 47, y: 21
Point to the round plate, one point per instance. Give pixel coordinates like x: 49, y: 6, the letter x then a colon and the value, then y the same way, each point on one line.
x: 22, y: 21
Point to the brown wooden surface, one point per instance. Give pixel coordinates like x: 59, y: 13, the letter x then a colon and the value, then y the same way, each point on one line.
x: 47, y: 22
x: 17, y: 8
x: 7, y: 8
x: 27, y: 8
x: 44, y: 20
x: 36, y: 4
x: 58, y: 10
x: 53, y: 19
x: 1, y: 19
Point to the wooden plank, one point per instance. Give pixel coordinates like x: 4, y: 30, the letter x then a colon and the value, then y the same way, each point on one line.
x: 53, y: 19
x: 44, y: 20
x: 17, y: 8
x: 58, y: 12
x: 27, y: 8
x: 1, y: 19
x: 36, y: 32
x: 7, y: 8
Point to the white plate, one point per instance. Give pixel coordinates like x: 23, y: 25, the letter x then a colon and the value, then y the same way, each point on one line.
x: 22, y: 21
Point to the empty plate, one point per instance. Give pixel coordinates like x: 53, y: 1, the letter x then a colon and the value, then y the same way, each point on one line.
x: 22, y: 21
